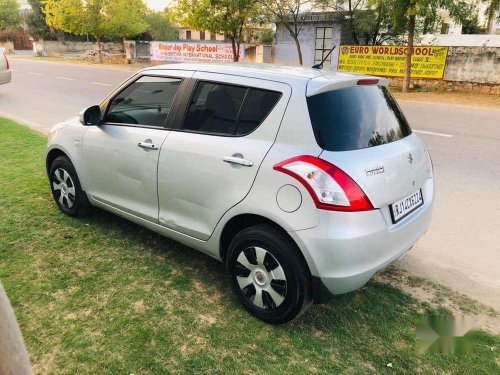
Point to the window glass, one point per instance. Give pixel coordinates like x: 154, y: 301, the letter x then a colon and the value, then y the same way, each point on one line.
x: 258, y: 104
x: 356, y: 117
x: 214, y: 108
x: 224, y: 109
x: 147, y: 101
x: 324, y: 43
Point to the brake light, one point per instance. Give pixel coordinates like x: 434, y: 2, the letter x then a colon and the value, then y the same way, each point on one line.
x: 329, y: 186
x: 368, y: 81
x: 6, y: 60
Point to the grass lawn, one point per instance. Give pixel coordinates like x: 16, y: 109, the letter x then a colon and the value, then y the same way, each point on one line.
x: 102, y: 295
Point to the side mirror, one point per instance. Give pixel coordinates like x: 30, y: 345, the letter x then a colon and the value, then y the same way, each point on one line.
x: 91, y: 116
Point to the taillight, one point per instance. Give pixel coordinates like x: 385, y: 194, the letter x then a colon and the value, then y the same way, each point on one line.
x: 6, y: 60
x: 330, y: 187
x: 367, y: 81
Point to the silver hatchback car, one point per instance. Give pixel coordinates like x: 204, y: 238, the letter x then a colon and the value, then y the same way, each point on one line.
x: 304, y: 182
x: 5, y: 74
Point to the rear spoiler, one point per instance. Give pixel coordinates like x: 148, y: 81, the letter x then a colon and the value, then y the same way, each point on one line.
x: 322, y: 84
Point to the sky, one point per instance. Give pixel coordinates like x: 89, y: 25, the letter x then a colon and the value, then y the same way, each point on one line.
x: 157, y: 4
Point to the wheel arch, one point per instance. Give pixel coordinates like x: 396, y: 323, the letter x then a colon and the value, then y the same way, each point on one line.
x: 52, y: 155
x: 242, y: 221
x: 57, y: 151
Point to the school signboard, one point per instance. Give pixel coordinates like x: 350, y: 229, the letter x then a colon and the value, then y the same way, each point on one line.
x: 194, y: 51
x: 389, y: 61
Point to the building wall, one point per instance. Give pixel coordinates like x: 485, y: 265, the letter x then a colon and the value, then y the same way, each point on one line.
x: 468, y: 69
x: 286, y: 50
x: 7, y: 46
x: 473, y: 64
x: 53, y: 48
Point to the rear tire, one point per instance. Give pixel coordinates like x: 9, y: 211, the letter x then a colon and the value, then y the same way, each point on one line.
x: 268, y: 274
x: 66, y: 188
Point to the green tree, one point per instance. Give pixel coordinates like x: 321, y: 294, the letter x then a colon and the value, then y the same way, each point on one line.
x: 289, y: 14
x: 229, y: 17
x: 160, y: 27
x: 404, y: 15
x: 35, y: 20
x: 471, y: 26
x: 126, y: 18
x: 266, y: 36
x: 98, y: 18
x: 367, y: 21
x: 10, y: 17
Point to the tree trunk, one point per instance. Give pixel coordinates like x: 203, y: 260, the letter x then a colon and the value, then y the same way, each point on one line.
x: 354, y: 33
x: 99, y: 49
x: 411, y: 33
x: 491, y: 20
x: 299, y: 51
x: 236, y: 53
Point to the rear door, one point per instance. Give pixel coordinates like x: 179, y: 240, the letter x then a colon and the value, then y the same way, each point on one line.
x: 209, y: 161
x: 120, y: 157
x: 363, y: 132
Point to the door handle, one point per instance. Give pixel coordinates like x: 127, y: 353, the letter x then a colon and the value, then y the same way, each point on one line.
x: 147, y: 145
x: 239, y: 161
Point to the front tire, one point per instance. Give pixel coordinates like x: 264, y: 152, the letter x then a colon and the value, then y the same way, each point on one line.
x: 66, y: 188
x: 268, y: 274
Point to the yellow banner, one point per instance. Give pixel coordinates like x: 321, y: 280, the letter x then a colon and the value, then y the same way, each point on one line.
x: 389, y: 61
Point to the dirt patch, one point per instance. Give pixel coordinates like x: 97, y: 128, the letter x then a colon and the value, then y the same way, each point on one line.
x: 455, y: 98
x: 437, y: 296
x: 206, y: 319
x: 139, y: 306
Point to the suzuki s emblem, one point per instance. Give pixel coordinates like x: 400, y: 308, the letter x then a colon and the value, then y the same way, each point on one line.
x: 410, y: 158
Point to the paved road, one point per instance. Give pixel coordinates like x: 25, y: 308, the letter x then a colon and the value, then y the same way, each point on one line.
x: 461, y: 250
x: 44, y: 93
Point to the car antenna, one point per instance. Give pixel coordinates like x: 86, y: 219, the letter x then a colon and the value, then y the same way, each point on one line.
x: 320, y: 65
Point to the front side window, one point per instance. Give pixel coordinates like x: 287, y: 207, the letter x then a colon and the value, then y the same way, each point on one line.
x: 224, y: 109
x: 146, y: 101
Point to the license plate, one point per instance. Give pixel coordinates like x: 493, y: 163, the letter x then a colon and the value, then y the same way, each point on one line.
x: 404, y: 207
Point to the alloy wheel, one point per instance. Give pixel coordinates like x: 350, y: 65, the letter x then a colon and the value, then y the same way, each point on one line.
x: 63, y: 185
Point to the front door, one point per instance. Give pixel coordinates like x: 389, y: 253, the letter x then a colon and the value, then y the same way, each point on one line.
x: 210, y: 159
x: 120, y: 157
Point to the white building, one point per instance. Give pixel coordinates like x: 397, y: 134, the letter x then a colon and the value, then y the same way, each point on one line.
x: 196, y: 35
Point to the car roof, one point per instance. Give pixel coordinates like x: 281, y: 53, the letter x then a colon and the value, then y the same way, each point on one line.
x: 323, y: 78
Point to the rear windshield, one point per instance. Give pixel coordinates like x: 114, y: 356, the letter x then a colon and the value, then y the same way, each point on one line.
x: 356, y: 117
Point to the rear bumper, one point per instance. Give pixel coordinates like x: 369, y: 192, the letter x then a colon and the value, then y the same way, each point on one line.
x: 346, y: 249
x: 5, y: 76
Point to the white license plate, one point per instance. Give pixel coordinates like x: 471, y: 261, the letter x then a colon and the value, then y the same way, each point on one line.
x: 406, y: 206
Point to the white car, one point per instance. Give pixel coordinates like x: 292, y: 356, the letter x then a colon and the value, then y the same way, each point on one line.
x: 5, y: 74
x: 305, y: 182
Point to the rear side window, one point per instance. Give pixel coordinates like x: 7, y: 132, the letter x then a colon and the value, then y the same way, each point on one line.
x: 223, y: 109
x: 146, y: 101
x: 258, y: 105
x: 356, y: 117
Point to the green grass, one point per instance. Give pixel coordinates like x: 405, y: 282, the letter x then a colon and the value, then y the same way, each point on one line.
x: 102, y: 295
